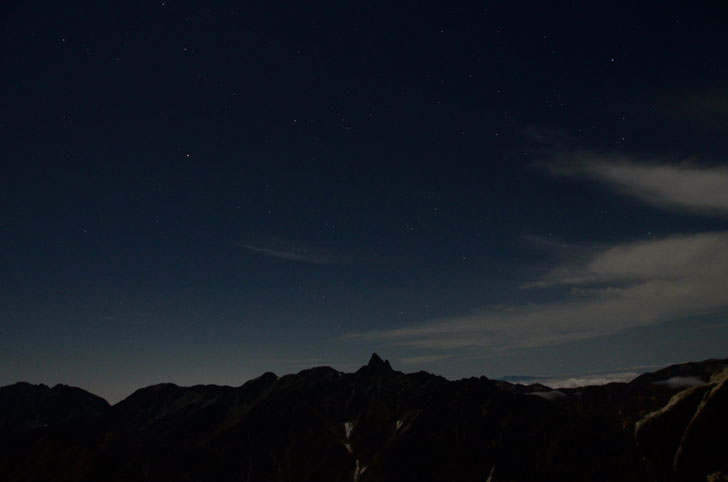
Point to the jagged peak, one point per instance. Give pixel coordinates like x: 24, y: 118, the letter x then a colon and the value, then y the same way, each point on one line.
x: 376, y: 362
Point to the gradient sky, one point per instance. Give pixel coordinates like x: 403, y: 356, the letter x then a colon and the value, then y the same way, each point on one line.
x: 199, y: 192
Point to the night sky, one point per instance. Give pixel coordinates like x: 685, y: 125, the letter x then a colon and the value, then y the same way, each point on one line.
x: 198, y: 192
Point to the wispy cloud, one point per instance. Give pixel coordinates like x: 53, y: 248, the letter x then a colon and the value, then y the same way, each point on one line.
x: 685, y: 185
x: 627, y: 285
x: 604, y: 290
x: 293, y: 253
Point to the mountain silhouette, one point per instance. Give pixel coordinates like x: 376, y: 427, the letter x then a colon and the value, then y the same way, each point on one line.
x: 376, y: 424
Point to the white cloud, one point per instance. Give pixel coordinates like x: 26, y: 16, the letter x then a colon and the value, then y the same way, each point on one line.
x: 684, y: 186
x: 627, y: 285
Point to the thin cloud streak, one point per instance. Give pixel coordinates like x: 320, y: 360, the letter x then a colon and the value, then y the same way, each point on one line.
x: 423, y: 359
x: 301, y: 255
x: 625, y: 286
x: 685, y: 186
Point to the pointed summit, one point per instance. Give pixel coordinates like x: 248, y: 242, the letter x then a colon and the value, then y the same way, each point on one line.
x: 377, y: 363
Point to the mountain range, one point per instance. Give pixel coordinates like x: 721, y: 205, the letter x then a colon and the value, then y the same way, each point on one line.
x: 374, y: 425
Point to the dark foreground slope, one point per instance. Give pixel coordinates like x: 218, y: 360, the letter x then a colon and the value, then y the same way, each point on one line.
x: 373, y: 425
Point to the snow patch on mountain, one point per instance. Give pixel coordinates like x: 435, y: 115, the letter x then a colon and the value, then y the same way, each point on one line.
x: 359, y: 470
x: 348, y: 427
x: 673, y: 401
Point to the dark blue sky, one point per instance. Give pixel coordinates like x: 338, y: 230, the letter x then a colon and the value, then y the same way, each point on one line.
x: 198, y: 193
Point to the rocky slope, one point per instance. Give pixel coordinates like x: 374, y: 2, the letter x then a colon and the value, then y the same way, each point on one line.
x: 376, y: 424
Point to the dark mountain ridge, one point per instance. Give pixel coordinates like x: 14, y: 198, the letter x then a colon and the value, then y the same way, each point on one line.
x: 376, y: 424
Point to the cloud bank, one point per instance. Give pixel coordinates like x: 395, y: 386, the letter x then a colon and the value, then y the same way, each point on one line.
x: 586, y: 380
x: 625, y: 286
